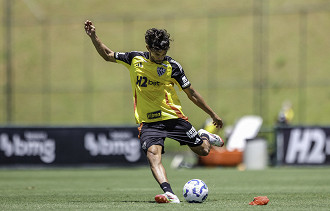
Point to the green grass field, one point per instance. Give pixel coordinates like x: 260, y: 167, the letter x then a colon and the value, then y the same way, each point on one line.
x: 135, y: 188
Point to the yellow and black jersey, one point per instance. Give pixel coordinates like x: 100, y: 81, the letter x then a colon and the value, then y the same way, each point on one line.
x: 154, y: 96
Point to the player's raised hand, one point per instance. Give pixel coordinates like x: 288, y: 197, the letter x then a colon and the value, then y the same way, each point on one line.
x: 89, y: 28
x: 217, y: 121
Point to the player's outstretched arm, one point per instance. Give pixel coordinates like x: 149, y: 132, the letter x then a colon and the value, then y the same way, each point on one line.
x: 102, y: 49
x: 198, y: 100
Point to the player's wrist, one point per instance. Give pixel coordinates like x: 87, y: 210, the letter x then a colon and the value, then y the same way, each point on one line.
x: 92, y: 35
x: 214, y: 115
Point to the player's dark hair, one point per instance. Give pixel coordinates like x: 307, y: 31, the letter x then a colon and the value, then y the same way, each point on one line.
x: 157, y: 39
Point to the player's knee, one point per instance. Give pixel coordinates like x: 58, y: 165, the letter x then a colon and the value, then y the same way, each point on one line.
x: 153, y: 153
x: 205, y: 148
x: 201, y: 150
x: 205, y: 151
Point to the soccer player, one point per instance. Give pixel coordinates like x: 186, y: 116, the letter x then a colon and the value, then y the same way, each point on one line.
x: 156, y: 105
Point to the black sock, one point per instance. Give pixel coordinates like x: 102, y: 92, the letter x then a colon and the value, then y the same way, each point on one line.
x: 166, y: 187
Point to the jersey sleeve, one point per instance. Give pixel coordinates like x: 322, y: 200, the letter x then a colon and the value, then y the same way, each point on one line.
x: 124, y: 57
x: 179, y: 75
x: 127, y: 57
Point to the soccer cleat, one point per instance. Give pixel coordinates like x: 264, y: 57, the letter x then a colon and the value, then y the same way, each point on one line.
x: 214, y: 139
x: 167, y: 198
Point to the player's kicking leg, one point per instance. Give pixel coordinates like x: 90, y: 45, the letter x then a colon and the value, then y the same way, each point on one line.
x: 208, y: 140
x: 214, y: 139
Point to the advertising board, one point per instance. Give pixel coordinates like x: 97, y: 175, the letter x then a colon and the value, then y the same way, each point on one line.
x: 70, y: 146
x: 303, y: 145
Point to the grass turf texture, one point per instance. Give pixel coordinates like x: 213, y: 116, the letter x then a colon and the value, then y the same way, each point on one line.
x: 135, y: 188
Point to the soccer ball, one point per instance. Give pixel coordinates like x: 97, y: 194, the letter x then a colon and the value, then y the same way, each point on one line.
x: 195, y: 191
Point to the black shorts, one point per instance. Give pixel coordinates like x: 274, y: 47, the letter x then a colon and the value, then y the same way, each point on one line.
x: 178, y: 129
